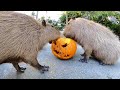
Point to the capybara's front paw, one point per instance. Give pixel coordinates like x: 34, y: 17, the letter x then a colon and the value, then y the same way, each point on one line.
x: 44, y: 68
x: 101, y: 63
x: 83, y: 60
x: 21, y: 69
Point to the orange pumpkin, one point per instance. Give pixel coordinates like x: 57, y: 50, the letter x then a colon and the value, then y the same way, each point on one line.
x: 64, y: 48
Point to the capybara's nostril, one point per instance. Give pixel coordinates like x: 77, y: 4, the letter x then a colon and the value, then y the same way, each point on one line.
x: 50, y: 42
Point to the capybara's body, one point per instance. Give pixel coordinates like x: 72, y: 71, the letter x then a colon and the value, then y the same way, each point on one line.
x: 21, y: 38
x: 96, y: 39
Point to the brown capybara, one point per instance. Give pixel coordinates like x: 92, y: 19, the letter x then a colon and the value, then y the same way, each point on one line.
x: 96, y: 39
x: 21, y: 38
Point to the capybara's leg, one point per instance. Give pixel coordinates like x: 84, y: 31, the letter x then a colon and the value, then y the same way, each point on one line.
x: 103, y: 62
x: 84, y: 59
x: 18, y: 68
x: 91, y: 57
x: 83, y: 54
x: 87, y: 54
x: 35, y: 64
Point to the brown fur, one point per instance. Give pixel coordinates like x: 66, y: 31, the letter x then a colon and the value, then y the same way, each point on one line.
x: 21, y: 38
x: 95, y: 39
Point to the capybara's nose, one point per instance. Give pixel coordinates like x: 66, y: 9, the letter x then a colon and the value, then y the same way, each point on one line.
x: 50, y: 42
x: 54, y: 41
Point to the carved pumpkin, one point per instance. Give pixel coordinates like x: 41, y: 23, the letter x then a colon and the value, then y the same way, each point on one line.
x: 64, y: 48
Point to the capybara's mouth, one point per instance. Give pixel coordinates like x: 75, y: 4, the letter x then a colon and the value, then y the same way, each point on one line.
x: 67, y: 36
x: 50, y: 42
x: 54, y: 41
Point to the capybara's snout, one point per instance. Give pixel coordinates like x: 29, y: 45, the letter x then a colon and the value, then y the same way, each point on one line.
x: 50, y: 42
x: 54, y: 41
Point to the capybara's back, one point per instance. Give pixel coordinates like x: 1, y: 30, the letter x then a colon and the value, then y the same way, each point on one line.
x: 95, y: 38
x: 21, y: 37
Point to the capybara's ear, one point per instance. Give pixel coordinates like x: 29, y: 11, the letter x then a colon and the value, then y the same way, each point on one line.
x: 73, y: 18
x: 43, y: 22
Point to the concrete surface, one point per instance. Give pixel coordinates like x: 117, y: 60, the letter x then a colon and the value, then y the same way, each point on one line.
x: 70, y: 69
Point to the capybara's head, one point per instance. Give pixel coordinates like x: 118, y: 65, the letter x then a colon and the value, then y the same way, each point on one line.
x: 51, y: 34
x: 69, y: 29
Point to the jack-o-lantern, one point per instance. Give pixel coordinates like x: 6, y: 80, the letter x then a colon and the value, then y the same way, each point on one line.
x: 64, y: 48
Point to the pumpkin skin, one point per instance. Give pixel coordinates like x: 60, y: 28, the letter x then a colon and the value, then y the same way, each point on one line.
x: 64, y: 48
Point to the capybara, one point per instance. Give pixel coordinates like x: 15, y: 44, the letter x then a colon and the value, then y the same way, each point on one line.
x: 21, y: 38
x: 96, y: 39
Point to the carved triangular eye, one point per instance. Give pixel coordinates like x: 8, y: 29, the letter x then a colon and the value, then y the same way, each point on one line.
x: 64, y: 45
